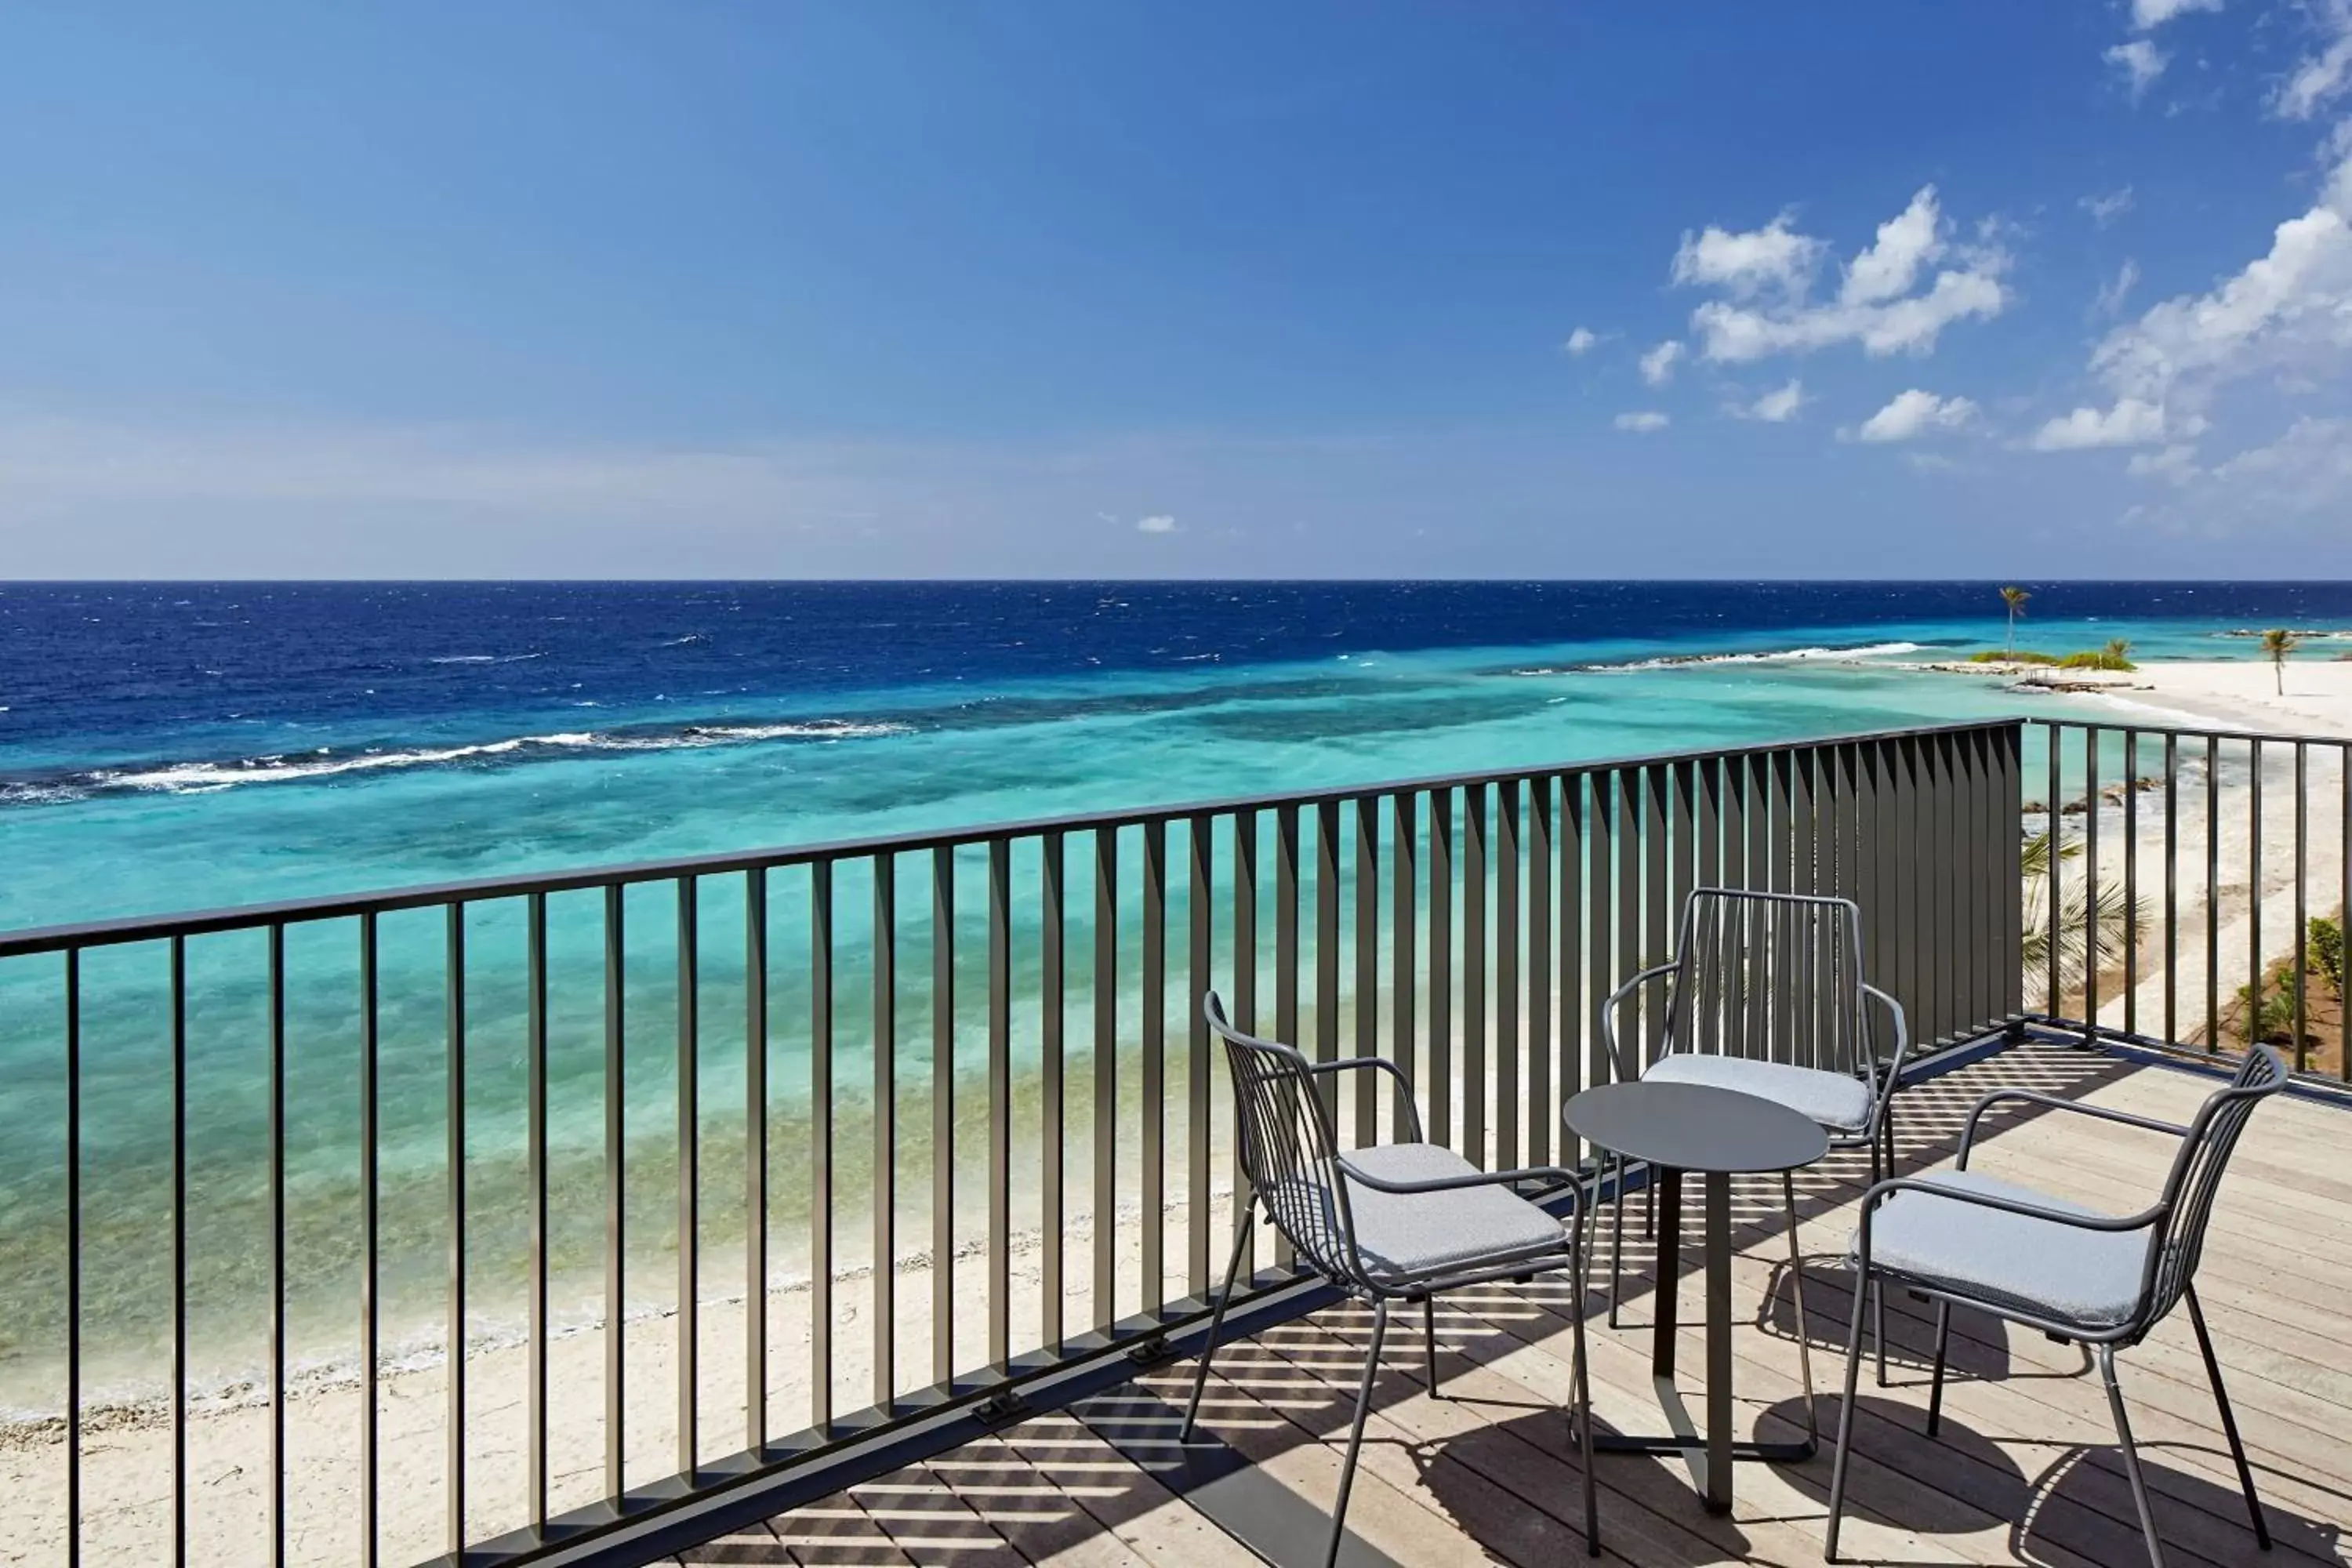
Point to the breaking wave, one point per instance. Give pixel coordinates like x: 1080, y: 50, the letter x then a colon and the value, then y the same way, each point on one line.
x: 1769, y: 656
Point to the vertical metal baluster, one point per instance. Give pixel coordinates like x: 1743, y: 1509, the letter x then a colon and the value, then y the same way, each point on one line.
x: 277, y: 1249
x: 1327, y: 948
x: 1404, y: 929
x: 1573, y: 1031
x: 617, y: 1130
x: 1000, y: 1103
x: 2302, y: 914
x: 1155, y: 1064
x: 1200, y: 887
x: 2131, y: 881
x: 943, y: 1138
x: 1474, y: 975
x: 690, y: 1175
x: 1244, y: 1014
x: 2254, y: 889
x: 1507, y: 975
x: 2213, y: 893
x: 885, y: 1132
x: 1106, y: 1079
x: 1285, y: 958
x: 1599, y: 932
x: 2091, y: 888
x: 1781, y: 1006
x: 2054, y: 1001
x: 755, y: 1160
x: 2010, y: 765
x: 180, y: 1250
x: 1942, y: 934
x: 1052, y: 1001
x: 821, y: 1265
x: 535, y: 1177
x: 2172, y: 887
x: 1440, y: 1090
x: 1367, y: 963
x: 1631, y: 954
x: 1655, y: 893
x: 369, y: 1065
x: 2344, y: 903
x: 453, y: 1450
x: 1540, y: 1106
x: 73, y: 1279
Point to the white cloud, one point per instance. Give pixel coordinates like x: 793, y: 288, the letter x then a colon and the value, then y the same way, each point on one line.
x: 1775, y: 256
x: 2140, y: 61
x: 2131, y: 423
x: 1658, y: 365
x: 1580, y: 341
x: 2110, y: 300
x: 2105, y: 207
x: 1775, y: 407
x: 1906, y: 243
x: 2176, y: 462
x: 2151, y: 14
x: 2322, y: 74
x: 1642, y: 422
x: 1880, y: 304
x: 1914, y: 414
x: 1160, y: 524
x: 2299, y: 482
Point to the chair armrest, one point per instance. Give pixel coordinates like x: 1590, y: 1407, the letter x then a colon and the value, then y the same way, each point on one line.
x: 2035, y: 1096
x: 1886, y: 1189
x: 1379, y: 1064
x: 1629, y: 1068
x: 1552, y: 1173
x: 1893, y: 1077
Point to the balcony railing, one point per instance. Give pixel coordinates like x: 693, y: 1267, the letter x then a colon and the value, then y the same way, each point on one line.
x: 566, y: 1218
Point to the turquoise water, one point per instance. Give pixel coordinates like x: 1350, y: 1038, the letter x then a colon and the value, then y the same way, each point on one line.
x: 204, y: 810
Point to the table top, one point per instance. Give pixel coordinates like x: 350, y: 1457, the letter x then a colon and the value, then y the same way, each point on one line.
x: 1695, y: 1127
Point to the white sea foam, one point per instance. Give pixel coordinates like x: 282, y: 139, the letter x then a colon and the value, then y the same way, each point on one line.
x: 1769, y: 656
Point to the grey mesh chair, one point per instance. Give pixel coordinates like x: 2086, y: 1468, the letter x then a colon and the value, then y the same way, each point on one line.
x: 2080, y: 1275
x: 1400, y: 1221
x: 1765, y: 994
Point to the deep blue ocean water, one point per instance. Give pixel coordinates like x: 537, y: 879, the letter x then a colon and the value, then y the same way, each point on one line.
x: 165, y: 747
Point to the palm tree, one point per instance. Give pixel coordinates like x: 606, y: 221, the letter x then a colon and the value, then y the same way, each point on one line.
x: 2014, y: 598
x: 2119, y: 653
x: 2118, y: 920
x: 2277, y: 643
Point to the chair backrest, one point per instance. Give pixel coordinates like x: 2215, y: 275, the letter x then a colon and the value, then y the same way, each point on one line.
x: 2195, y: 1178
x: 1289, y: 1149
x: 1769, y: 976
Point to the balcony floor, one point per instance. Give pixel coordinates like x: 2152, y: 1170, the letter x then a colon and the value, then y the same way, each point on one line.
x: 2024, y: 1471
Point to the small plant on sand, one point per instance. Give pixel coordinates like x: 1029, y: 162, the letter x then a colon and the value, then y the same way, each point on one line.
x: 2277, y: 643
x: 2270, y: 1020
x: 2117, y: 918
x: 2326, y: 939
x: 2014, y: 598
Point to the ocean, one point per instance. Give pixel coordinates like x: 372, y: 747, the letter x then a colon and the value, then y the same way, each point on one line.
x: 167, y: 747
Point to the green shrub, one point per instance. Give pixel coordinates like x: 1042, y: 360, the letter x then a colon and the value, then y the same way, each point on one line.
x: 2326, y: 938
x: 2096, y: 659
x: 2272, y: 1018
x: 2023, y: 655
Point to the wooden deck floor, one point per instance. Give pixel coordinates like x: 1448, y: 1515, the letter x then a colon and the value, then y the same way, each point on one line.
x: 2024, y: 1471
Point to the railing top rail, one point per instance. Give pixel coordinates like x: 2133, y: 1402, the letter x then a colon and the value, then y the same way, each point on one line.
x: 2199, y: 731
x: 248, y: 917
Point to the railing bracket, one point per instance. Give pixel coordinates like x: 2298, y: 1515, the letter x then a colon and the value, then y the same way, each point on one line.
x: 1151, y: 1350
x: 1002, y: 1409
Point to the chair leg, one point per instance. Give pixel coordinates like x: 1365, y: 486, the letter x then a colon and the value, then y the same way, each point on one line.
x: 1581, y: 1395
x: 1617, y: 1238
x: 2229, y: 1421
x: 1356, y: 1432
x: 1797, y: 1284
x: 1845, y: 1423
x: 1216, y: 1323
x: 1429, y: 1341
x: 2131, y: 1456
x: 1877, y: 1292
x: 1649, y: 1210
x: 1935, y: 1382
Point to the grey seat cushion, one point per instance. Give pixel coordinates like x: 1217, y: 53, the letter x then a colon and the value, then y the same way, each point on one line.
x: 1414, y: 1235
x: 1831, y: 1099
x: 2089, y: 1278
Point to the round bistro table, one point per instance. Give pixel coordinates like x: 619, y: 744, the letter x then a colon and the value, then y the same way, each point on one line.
x: 1715, y: 1133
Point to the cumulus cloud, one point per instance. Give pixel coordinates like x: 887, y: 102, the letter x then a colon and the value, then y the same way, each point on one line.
x: 1162, y: 523
x: 1658, y: 365
x: 1580, y: 341
x: 2300, y: 481
x: 2131, y: 423
x: 1642, y: 422
x: 2110, y: 300
x: 2151, y: 14
x: 1775, y: 258
x: 2141, y: 63
x: 1881, y: 303
x: 2322, y: 73
x: 2105, y: 207
x: 1914, y: 414
x: 1775, y: 407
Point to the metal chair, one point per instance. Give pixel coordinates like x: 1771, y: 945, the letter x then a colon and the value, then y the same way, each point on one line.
x: 1399, y: 1222
x: 1765, y: 994
x: 2077, y: 1274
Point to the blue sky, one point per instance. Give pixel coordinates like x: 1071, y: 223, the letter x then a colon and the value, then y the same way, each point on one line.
x: 2020, y: 287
